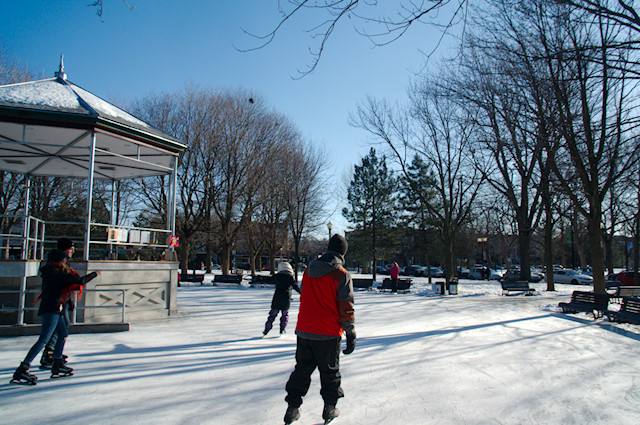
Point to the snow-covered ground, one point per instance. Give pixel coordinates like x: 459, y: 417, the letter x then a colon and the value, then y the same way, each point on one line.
x: 473, y: 358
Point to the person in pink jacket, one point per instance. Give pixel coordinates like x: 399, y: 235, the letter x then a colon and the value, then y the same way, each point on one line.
x: 395, y: 274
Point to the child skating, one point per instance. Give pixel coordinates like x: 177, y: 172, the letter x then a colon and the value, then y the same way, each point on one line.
x: 281, y: 297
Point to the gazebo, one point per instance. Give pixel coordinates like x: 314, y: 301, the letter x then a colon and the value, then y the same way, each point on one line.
x: 53, y: 128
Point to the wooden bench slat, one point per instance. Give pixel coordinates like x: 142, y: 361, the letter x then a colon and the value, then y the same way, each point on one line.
x: 629, y: 311
x: 362, y: 283
x: 231, y: 278
x: 516, y: 286
x: 403, y: 284
x: 589, y: 302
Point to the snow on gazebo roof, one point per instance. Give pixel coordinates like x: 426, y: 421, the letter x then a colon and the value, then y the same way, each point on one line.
x: 46, y: 127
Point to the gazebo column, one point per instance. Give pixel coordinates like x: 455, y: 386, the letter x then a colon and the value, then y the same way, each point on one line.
x: 22, y: 296
x: 87, y: 234
x: 112, y: 220
x: 171, y: 212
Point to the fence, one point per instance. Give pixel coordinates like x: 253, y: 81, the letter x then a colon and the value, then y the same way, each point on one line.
x: 9, y: 309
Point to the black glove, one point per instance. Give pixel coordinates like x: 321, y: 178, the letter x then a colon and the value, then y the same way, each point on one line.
x: 351, y: 344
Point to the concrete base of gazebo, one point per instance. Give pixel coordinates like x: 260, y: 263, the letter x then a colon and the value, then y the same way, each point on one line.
x: 24, y: 330
x: 125, y: 291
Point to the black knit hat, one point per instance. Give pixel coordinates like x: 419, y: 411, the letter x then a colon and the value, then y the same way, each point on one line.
x: 56, y: 256
x: 64, y: 244
x: 338, y: 244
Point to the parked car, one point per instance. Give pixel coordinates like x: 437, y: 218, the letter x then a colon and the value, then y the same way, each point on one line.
x: 414, y: 270
x: 625, y: 278
x: 463, y: 273
x: 586, y: 270
x: 514, y: 274
x: 571, y: 276
x: 478, y: 273
x: 435, y: 272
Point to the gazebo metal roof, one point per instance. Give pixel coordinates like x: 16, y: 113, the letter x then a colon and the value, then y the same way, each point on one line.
x: 47, y: 129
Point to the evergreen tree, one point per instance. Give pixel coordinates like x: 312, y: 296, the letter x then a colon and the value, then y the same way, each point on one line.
x: 416, y: 194
x: 371, y: 196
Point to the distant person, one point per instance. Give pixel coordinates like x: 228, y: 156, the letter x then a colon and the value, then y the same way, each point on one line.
x: 58, y: 281
x: 281, y: 300
x: 326, y: 311
x: 395, y: 274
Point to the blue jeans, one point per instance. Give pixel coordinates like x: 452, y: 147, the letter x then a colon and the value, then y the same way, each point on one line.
x: 51, y: 322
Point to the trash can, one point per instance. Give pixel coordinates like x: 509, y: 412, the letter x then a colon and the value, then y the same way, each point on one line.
x: 453, y: 287
x: 438, y: 288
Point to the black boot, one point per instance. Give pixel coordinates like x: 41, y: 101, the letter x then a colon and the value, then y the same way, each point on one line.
x: 60, y: 370
x: 46, y: 361
x: 292, y: 414
x: 22, y: 376
x: 329, y: 413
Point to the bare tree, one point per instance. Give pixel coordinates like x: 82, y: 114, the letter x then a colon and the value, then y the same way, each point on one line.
x: 594, y: 103
x: 11, y: 191
x: 382, y: 24
x: 184, y: 116
x: 237, y: 157
x: 436, y: 130
x: 305, y: 195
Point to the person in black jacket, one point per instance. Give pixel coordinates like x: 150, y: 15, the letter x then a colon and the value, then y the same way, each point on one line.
x: 67, y: 246
x: 281, y: 297
x: 58, y: 281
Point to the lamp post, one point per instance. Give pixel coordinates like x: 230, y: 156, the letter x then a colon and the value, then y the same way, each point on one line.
x: 482, y: 241
x: 329, y: 226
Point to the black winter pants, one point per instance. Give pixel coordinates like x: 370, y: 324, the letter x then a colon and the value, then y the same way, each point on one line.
x: 325, y: 355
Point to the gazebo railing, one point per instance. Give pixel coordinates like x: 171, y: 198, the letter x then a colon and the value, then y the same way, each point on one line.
x: 26, y: 234
x: 28, y: 237
x: 8, y: 308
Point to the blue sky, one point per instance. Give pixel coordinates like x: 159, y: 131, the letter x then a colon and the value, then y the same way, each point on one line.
x: 162, y: 45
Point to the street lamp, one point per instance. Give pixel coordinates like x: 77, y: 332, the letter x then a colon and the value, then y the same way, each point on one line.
x: 482, y: 241
x: 329, y: 226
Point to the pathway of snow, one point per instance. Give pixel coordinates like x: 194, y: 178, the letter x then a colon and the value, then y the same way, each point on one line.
x: 474, y: 358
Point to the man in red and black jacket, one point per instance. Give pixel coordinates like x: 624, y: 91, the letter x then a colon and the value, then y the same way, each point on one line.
x: 326, y: 311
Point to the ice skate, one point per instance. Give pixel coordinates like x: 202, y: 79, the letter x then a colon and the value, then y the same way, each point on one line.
x: 46, y: 361
x: 329, y: 413
x: 60, y: 370
x: 22, y: 376
x: 292, y: 414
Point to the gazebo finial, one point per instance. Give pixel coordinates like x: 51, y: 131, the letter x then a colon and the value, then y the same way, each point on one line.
x: 60, y: 74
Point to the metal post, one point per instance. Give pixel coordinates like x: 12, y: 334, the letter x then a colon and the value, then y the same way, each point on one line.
x: 171, y: 213
x: 87, y: 235
x: 25, y: 247
x: 112, y: 220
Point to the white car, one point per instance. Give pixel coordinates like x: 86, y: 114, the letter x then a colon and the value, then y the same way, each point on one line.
x: 478, y: 274
x: 571, y: 276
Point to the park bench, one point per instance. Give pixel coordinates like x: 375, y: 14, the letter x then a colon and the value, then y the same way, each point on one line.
x: 262, y: 280
x: 403, y: 284
x: 229, y: 278
x: 361, y: 283
x: 186, y: 277
x: 516, y: 286
x: 625, y: 291
x: 590, y: 302
x: 629, y: 311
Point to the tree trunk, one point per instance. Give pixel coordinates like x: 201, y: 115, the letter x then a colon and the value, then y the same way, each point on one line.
x: 226, y: 258
x: 184, y: 255
x: 524, y: 244
x: 207, y: 256
x: 595, y: 243
x: 548, y: 246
